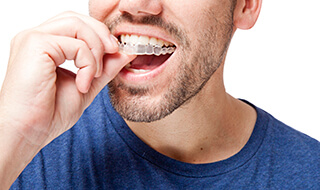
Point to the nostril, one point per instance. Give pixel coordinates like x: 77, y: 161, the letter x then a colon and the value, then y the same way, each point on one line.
x: 140, y: 7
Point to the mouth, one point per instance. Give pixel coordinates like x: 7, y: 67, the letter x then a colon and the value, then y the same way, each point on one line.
x: 151, y: 52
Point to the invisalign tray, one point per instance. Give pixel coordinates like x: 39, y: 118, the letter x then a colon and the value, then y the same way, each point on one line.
x: 139, y: 49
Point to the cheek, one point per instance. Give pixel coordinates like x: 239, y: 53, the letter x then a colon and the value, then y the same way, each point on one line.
x: 100, y: 9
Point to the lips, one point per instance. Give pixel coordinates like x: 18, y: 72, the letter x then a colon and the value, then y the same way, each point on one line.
x: 146, y: 63
x: 152, y: 52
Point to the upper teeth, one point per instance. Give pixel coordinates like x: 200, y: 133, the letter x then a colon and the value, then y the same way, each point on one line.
x: 143, y: 40
x: 144, y: 45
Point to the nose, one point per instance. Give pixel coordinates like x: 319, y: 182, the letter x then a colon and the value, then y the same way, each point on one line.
x: 141, y: 7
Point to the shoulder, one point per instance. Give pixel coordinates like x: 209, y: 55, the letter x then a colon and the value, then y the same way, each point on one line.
x: 292, y: 141
x: 290, y: 156
x: 283, y: 138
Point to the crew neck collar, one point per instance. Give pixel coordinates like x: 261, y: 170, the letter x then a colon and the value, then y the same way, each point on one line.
x: 187, y: 169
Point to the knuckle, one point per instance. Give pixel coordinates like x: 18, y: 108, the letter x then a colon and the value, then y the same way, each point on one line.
x: 98, y: 49
x: 25, y: 36
x: 73, y: 20
x: 33, y: 37
x: 67, y: 19
x: 67, y: 14
x: 83, y: 45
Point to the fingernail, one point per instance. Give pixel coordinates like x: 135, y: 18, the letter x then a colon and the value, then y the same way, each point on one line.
x: 114, y: 41
x: 99, y: 68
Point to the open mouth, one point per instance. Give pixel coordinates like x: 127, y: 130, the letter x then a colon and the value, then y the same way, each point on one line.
x: 152, y: 52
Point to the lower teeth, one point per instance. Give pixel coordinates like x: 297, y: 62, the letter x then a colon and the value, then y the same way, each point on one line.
x: 139, y: 49
x: 128, y: 67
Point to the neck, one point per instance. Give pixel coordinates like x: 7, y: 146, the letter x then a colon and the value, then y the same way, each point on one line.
x: 212, y: 126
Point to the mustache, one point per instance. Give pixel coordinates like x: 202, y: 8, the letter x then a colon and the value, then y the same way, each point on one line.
x: 151, y: 20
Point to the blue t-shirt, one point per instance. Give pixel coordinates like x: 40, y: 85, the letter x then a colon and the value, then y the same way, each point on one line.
x: 101, y: 152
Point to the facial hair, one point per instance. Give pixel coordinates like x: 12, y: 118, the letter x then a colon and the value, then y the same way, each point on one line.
x: 198, y: 60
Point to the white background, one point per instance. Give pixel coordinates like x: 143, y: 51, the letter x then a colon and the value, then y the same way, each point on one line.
x: 275, y: 65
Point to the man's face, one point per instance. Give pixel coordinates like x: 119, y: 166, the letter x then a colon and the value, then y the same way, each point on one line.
x: 152, y: 87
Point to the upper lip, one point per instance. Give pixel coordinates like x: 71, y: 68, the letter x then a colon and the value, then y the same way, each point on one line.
x: 143, y: 30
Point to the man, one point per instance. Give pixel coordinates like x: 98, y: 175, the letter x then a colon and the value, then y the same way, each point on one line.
x: 178, y: 127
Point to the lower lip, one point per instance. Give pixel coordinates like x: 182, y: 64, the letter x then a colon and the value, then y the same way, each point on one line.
x: 131, y: 77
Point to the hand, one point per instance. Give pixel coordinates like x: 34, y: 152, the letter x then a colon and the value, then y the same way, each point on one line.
x: 39, y: 100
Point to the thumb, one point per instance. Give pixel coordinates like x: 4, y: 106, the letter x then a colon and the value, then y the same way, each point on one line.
x: 112, y: 65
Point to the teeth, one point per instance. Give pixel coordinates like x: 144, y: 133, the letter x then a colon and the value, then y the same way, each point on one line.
x: 122, y: 38
x: 135, y: 70
x: 153, y: 41
x: 127, y: 38
x: 143, y: 40
x: 160, y: 43
x: 143, y: 45
x: 134, y: 39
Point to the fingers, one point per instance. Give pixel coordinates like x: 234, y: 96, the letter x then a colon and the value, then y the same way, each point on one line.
x: 100, y: 28
x: 84, y: 59
x: 45, y: 100
x: 87, y: 29
x: 61, y: 49
x: 93, y: 33
x: 112, y: 65
x: 86, y: 41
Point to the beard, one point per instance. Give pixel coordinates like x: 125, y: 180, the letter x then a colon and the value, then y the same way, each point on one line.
x: 198, y: 61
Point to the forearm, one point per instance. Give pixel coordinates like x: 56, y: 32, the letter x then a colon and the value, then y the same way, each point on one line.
x: 39, y: 100
x: 15, y: 154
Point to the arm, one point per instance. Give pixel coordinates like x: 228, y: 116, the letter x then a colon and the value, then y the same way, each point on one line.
x: 38, y: 100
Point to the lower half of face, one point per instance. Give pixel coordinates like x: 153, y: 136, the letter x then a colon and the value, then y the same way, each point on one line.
x: 182, y: 76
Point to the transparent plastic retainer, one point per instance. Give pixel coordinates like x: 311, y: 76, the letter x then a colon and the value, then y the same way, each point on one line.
x: 139, y: 49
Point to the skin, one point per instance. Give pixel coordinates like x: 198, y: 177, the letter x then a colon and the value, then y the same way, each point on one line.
x: 169, y: 130
x: 200, y: 51
x: 40, y: 101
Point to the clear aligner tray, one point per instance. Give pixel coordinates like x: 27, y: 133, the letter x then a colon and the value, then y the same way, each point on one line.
x: 139, y: 49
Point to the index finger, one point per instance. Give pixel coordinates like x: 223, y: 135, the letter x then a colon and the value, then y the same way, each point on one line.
x: 109, y: 41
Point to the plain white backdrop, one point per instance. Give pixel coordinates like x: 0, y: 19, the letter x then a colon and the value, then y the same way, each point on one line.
x: 275, y: 65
